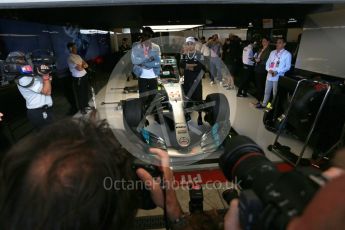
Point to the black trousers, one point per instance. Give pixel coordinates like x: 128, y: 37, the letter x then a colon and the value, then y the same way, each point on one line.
x: 260, y: 79
x: 40, y: 117
x: 81, y: 91
x: 248, y: 73
x: 67, y: 85
x: 147, y: 90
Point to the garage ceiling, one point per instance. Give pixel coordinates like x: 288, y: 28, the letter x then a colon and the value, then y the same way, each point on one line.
x: 109, y: 17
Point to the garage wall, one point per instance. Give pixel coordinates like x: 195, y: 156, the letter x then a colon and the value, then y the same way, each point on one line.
x: 224, y: 33
x: 28, y: 36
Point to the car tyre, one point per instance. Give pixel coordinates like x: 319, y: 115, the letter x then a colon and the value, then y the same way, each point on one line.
x: 220, y: 111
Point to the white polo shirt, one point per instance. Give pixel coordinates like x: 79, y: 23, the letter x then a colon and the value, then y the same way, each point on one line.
x: 32, y: 95
x: 73, y: 61
x: 247, y: 55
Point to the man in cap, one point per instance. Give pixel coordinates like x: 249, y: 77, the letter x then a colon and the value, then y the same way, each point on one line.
x: 191, y: 64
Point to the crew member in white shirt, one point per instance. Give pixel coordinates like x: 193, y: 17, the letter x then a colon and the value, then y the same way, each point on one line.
x: 278, y: 63
x: 248, y: 69
x: 78, y: 66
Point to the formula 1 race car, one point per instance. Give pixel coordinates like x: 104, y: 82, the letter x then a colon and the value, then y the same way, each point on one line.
x: 170, y: 107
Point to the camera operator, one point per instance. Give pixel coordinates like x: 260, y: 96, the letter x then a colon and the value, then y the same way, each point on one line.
x: 55, y: 180
x: 325, y: 211
x: 37, y: 94
x: 81, y: 87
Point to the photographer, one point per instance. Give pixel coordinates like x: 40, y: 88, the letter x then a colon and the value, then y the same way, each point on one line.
x: 37, y: 94
x: 55, y: 180
x: 325, y: 211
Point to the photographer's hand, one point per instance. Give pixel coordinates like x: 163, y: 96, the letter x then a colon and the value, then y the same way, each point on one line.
x: 232, y: 218
x: 174, y: 210
x: 1, y: 116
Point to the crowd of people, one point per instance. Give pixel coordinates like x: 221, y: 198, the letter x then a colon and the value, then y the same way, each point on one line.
x: 243, y: 62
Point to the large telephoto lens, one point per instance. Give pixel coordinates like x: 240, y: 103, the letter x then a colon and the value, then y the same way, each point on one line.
x: 244, y: 162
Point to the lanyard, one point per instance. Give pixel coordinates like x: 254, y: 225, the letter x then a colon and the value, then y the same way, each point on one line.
x: 278, y: 54
x: 146, y: 50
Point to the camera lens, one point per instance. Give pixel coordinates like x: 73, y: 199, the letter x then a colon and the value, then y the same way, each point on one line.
x: 244, y: 162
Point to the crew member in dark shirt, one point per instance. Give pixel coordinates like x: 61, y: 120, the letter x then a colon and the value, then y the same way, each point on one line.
x: 191, y: 65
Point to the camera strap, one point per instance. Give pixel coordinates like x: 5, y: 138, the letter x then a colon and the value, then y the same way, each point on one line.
x: 25, y: 86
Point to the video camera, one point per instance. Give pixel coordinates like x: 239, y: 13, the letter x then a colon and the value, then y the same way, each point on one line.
x: 19, y: 64
x: 268, y: 199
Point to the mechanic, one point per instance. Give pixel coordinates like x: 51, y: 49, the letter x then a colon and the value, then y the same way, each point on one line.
x: 55, y: 180
x: 330, y: 199
x: 80, y: 83
x: 278, y: 63
x: 146, y: 62
x: 191, y: 64
x: 248, y: 69
x: 37, y: 94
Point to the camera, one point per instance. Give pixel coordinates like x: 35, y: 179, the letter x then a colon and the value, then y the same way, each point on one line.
x: 34, y: 64
x: 268, y: 199
x: 145, y: 200
x: 43, y: 61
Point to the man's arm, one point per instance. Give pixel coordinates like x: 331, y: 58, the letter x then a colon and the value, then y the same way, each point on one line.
x: 154, y: 61
x: 136, y: 58
x: 268, y: 62
x: 47, y: 87
x: 81, y: 66
x: 285, y: 66
x: 78, y: 66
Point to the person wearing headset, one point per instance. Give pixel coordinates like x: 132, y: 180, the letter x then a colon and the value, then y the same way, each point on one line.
x: 78, y: 66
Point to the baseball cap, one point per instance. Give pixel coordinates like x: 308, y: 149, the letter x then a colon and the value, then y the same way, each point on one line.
x: 190, y: 39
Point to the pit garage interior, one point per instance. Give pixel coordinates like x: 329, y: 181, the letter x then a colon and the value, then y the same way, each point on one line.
x: 314, y: 31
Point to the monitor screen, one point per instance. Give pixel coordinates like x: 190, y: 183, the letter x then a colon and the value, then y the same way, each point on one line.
x: 322, y: 47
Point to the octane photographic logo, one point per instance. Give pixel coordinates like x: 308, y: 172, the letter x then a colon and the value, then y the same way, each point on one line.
x: 167, y: 117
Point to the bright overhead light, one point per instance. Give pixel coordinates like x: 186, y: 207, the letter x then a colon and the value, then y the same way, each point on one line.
x: 169, y: 28
x: 126, y: 30
x: 93, y: 32
x: 219, y: 27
